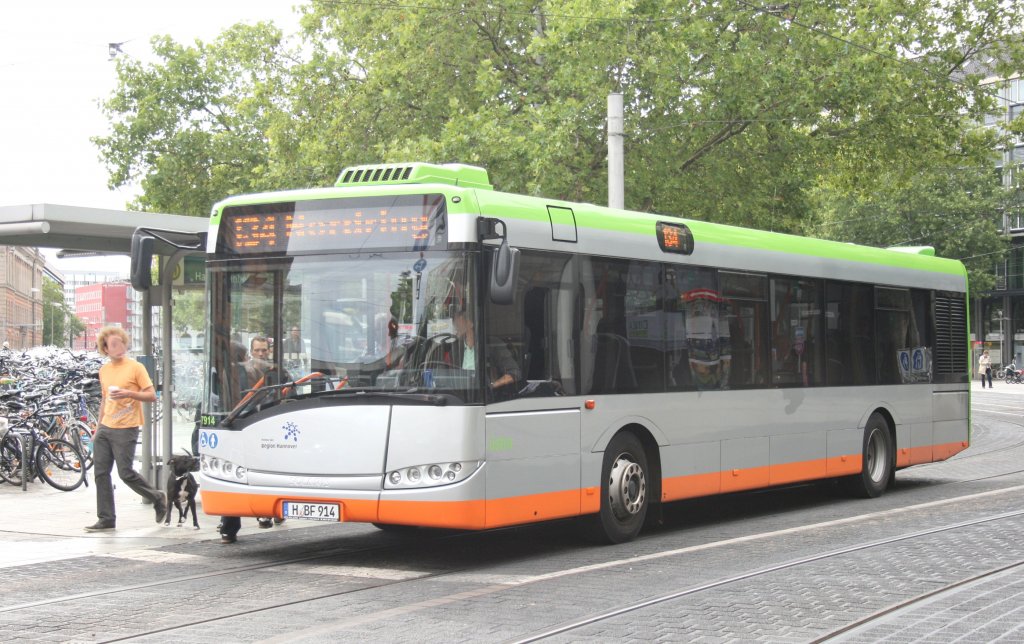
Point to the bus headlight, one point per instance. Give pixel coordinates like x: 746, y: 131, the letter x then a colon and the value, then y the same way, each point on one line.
x: 222, y: 468
x: 429, y: 475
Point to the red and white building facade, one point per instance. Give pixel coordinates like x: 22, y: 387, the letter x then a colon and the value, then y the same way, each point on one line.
x: 100, y: 305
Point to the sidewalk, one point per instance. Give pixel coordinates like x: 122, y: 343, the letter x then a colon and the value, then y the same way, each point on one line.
x: 998, y: 387
x: 44, y: 524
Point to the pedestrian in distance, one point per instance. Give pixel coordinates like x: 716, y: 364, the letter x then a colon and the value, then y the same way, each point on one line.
x: 294, y: 344
x: 985, y: 368
x: 125, y: 386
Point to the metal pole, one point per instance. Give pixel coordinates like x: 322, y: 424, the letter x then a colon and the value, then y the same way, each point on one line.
x: 147, y: 349
x: 167, y: 394
x: 616, y: 181
x: 26, y: 459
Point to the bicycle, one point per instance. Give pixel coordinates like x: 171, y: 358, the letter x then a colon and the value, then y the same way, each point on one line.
x: 54, y: 461
x: 74, y: 424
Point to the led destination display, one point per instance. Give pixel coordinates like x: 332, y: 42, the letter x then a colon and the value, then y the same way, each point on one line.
x: 408, y: 222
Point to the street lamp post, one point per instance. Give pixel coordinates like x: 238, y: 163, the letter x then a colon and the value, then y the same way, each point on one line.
x: 34, y: 292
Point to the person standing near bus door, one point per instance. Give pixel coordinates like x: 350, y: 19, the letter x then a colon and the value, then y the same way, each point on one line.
x: 985, y: 368
x: 255, y: 368
x: 125, y: 385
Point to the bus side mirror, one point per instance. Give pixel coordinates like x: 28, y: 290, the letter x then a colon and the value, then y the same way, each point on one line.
x: 504, y: 273
x: 142, y: 261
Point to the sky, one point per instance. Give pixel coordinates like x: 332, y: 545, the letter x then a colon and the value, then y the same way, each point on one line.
x: 54, y: 70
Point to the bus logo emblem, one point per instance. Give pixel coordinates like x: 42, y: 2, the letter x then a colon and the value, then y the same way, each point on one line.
x: 291, y: 431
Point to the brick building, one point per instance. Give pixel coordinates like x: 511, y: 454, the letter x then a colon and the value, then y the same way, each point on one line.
x: 100, y: 305
x: 21, y: 293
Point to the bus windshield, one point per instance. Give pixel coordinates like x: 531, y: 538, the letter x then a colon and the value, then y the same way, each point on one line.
x: 339, y: 324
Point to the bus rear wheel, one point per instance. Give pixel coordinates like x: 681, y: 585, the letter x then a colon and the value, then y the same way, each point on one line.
x: 878, y: 460
x: 624, y: 489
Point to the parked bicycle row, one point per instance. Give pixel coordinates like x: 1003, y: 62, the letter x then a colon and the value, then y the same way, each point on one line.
x: 49, y: 403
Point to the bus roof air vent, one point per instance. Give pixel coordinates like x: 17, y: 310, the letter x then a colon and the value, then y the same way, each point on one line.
x: 455, y: 174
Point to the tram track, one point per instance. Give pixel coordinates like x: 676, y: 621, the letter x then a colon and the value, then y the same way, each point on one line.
x: 901, y: 606
x: 495, y: 588
x: 335, y: 553
x: 803, y: 561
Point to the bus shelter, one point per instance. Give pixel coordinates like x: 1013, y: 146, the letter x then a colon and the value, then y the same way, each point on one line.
x: 80, y: 231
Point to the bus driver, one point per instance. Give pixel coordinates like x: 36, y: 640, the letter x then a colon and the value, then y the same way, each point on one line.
x: 502, y: 368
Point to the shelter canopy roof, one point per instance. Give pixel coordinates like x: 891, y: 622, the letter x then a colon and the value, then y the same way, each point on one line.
x: 75, y: 228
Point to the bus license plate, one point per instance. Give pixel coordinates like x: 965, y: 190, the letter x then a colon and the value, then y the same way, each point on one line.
x: 312, y: 511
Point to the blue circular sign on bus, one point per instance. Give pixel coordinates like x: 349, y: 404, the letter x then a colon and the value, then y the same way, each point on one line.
x: 419, y: 265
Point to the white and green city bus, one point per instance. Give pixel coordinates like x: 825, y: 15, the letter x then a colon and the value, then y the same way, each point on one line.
x: 613, y: 359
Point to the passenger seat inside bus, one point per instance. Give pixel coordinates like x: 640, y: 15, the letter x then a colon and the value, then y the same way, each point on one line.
x: 613, y: 368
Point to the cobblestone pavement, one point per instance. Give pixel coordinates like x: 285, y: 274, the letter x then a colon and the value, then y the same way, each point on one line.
x: 737, y: 568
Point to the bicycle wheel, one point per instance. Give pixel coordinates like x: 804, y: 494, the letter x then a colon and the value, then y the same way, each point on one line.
x: 81, y: 438
x: 60, y: 464
x: 10, y: 459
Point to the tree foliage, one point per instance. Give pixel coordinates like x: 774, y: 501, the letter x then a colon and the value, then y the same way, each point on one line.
x: 194, y: 126
x: 76, y: 327
x: 55, y: 313
x: 60, y: 325
x: 959, y: 212
x: 189, y: 309
x: 789, y: 117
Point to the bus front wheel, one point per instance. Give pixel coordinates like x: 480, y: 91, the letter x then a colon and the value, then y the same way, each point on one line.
x: 624, y: 489
x: 878, y: 459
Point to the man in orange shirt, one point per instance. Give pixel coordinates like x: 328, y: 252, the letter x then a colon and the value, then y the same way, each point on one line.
x: 126, y: 385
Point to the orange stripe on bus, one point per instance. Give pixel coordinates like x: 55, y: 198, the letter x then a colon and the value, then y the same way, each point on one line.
x: 467, y: 515
x: 534, y: 507
x: 689, y: 487
x: 745, y: 479
x: 844, y: 465
x: 945, y: 450
x: 902, y: 456
x: 783, y: 473
x: 922, y: 454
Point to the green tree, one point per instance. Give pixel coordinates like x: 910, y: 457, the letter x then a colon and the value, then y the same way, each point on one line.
x: 192, y: 128
x: 76, y: 327
x: 958, y: 211
x: 735, y: 112
x: 55, y: 313
x: 189, y: 310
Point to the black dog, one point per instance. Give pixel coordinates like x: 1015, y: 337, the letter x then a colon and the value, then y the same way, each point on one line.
x: 182, y: 488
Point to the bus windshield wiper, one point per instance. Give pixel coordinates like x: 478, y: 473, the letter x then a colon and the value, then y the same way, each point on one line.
x: 411, y: 394
x: 253, y: 396
x: 258, y: 395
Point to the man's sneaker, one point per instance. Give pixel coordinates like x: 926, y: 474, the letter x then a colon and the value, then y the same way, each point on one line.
x: 278, y: 521
x: 100, y: 526
x: 228, y: 538
x: 265, y: 522
x: 161, y: 508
